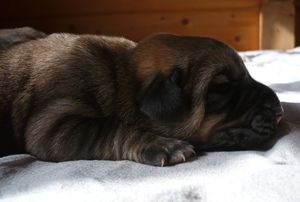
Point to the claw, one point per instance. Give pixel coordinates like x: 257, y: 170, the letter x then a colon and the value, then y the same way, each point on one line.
x: 183, y: 157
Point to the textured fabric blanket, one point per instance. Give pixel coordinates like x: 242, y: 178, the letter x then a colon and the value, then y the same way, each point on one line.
x: 272, y: 175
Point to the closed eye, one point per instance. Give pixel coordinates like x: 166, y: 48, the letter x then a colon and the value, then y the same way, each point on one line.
x: 220, y: 79
x: 220, y: 84
x: 218, y: 93
x: 176, y: 77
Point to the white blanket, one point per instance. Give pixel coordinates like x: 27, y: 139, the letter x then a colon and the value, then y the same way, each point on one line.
x: 252, y: 176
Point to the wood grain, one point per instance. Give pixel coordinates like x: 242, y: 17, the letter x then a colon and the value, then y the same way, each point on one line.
x: 278, y: 25
x: 235, y: 22
x: 56, y: 8
x: 297, y: 22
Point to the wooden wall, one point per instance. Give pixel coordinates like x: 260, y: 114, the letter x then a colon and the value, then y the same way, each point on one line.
x: 297, y: 22
x: 233, y: 21
x: 278, y: 25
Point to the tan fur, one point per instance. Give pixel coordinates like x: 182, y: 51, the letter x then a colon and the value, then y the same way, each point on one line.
x: 153, y: 59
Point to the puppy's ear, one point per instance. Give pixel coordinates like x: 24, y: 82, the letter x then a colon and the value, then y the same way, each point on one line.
x: 163, y: 100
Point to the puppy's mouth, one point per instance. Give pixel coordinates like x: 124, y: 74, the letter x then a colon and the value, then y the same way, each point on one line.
x: 255, y: 130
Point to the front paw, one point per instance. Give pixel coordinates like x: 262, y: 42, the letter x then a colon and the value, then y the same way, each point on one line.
x: 166, y: 151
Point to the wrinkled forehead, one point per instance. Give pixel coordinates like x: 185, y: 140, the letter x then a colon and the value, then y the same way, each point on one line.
x: 213, y: 55
x: 222, y: 60
x: 162, y: 53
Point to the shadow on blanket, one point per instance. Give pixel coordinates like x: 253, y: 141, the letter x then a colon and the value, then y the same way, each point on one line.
x: 292, y: 112
x: 286, y: 87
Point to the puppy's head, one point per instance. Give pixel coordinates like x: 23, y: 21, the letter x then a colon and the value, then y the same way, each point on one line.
x: 199, y: 88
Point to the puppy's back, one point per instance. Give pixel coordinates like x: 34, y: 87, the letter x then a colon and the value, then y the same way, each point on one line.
x: 19, y: 63
x: 36, y: 61
x: 41, y: 69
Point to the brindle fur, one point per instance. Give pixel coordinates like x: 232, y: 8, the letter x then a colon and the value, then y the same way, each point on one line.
x: 67, y: 97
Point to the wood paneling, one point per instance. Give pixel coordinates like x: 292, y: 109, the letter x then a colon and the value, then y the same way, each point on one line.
x: 278, y: 25
x: 297, y: 23
x: 233, y: 21
x: 46, y: 8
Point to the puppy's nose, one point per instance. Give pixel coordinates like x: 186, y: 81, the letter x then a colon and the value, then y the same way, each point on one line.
x: 278, y: 113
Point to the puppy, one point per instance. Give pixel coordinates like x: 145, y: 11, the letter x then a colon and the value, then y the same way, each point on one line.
x: 68, y: 97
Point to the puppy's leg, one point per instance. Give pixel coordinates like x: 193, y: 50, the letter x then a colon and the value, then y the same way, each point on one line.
x: 67, y: 130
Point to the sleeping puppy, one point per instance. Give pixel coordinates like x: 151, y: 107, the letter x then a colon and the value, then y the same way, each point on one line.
x: 68, y: 97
